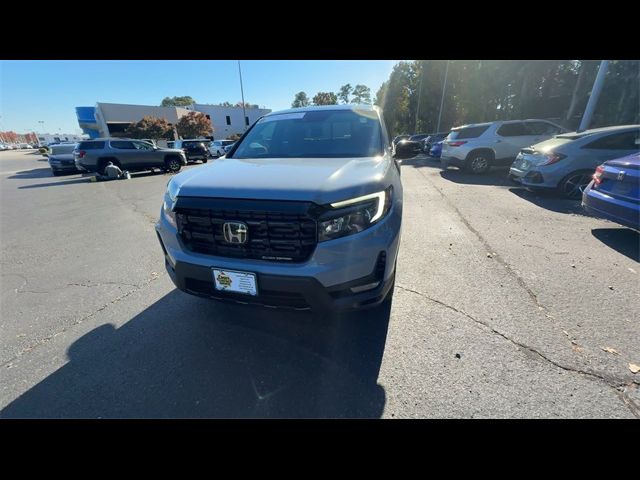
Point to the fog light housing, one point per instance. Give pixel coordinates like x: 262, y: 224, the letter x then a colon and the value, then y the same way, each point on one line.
x: 533, y: 177
x: 364, y: 288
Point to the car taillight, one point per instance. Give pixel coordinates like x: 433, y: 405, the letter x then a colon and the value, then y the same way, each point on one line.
x: 553, y: 158
x: 597, y: 175
x: 81, y: 153
x: 456, y: 144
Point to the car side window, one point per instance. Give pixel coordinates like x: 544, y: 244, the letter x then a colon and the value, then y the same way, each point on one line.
x: 512, y: 130
x: 142, y: 146
x: 541, y: 128
x: 616, y: 141
x: 123, y: 145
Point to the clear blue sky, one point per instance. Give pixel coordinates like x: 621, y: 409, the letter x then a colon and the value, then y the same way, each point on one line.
x: 50, y: 90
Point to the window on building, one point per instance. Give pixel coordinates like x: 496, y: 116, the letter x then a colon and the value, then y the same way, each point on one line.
x: 228, y: 120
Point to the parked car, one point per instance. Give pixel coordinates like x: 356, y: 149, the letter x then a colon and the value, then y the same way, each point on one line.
x: 432, y: 139
x: 274, y: 222
x: 614, y: 192
x: 3, y: 147
x: 398, y: 138
x: 418, y: 137
x: 227, y: 148
x: 565, y: 163
x: 194, y: 149
x: 217, y: 147
x: 413, y: 146
x: 61, y: 159
x: 477, y: 147
x: 128, y: 154
x: 436, y: 150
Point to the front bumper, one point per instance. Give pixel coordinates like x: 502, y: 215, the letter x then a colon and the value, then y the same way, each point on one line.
x: 321, y: 283
x: 280, y: 291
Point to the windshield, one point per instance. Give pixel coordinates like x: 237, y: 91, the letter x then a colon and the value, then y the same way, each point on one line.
x: 322, y: 133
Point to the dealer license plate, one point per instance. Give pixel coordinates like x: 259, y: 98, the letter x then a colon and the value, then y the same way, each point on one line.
x: 234, y: 281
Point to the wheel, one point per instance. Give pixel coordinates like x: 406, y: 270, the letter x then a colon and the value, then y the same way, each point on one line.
x: 172, y: 164
x: 572, y: 185
x: 56, y: 173
x: 478, y: 163
x: 204, y: 160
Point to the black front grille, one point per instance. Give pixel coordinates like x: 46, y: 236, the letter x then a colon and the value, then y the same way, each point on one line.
x: 277, y: 234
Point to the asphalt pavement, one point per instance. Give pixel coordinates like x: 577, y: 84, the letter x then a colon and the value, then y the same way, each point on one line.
x: 508, y: 304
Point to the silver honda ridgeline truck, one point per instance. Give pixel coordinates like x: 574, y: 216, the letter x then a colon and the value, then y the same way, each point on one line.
x: 304, y: 212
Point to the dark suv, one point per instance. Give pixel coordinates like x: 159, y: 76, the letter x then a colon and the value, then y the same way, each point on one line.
x: 128, y: 154
x: 194, y: 149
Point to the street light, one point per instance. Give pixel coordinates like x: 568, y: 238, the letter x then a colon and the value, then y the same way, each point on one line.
x: 244, y: 114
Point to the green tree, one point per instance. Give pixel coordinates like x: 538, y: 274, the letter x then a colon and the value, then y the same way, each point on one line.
x: 325, y: 98
x: 361, y: 94
x: 177, y: 101
x: 300, y: 100
x: 194, y: 125
x: 344, y: 93
x: 150, y: 127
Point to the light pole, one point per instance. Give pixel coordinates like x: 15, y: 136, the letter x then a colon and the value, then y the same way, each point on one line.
x: 244, y: 113
x: 593, y: 98
x: 415, y: 124
x: 444, y: 87
x: 41, y: 122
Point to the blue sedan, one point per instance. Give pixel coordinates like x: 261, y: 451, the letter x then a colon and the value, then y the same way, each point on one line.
x: 436, y: 150
x: 614, y: 192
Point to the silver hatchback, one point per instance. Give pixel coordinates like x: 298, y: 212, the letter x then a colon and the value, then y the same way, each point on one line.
x: 566, y: 163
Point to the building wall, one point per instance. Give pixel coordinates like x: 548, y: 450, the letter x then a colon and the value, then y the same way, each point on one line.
x: 219, y: 115
x: 118, y: 114
x: 44, y: 138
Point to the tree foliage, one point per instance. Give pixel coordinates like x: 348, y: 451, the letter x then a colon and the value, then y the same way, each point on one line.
x: 177, y: 101
x: 487, y: 90
x: 300, y: 100
x: 361, y: 94
x: 150, y: 127
x: 344, y: 92
x: 325, y: 98
x: 194, y: 125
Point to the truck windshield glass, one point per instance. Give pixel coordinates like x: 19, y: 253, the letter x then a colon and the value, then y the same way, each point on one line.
x: 327, y: 133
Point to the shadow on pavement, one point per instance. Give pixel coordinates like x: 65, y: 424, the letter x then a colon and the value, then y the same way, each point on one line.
x: 55, y: 184
x: 422, y: 161
x: 623, y: 240
x: 497, y: 176
x: 550, y: 201
x: 44, y: 172
x: 187, y: 357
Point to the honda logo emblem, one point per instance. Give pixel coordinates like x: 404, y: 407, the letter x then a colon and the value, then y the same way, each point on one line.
x: 235, y: 232
x: 621, y: 175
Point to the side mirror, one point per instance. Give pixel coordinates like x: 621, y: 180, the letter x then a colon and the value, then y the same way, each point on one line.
x: 404, y: 150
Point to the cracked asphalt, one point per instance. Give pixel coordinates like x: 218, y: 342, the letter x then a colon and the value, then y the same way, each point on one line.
x: 504, y: 303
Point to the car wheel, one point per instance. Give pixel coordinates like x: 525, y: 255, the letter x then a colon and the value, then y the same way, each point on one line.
x: 572, y: 185
x: 172, y: 164
x: 478, y: 163
x: 55, y: 173
x: 204, y: 160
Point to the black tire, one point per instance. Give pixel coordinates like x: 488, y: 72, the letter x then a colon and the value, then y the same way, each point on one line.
x: 172, y: 164
x: 478, y: 163
x: 569, y: 186
x: 56, y: 173
x: 204, y: 160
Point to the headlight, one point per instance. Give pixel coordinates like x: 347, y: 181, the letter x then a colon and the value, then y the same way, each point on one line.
x: 169, y: 201
x: 354, y: 215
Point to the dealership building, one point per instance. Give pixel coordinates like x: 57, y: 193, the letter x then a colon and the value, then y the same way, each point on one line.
x: 112, y: 119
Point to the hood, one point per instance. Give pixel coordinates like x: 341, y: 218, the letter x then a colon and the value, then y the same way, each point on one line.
x: 318, y: 180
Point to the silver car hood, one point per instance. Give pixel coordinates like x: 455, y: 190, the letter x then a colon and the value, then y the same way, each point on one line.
x: 319, y: 180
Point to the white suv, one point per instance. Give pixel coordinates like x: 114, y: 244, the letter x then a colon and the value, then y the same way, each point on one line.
x: 217, y: 147
x: 479, y: 146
